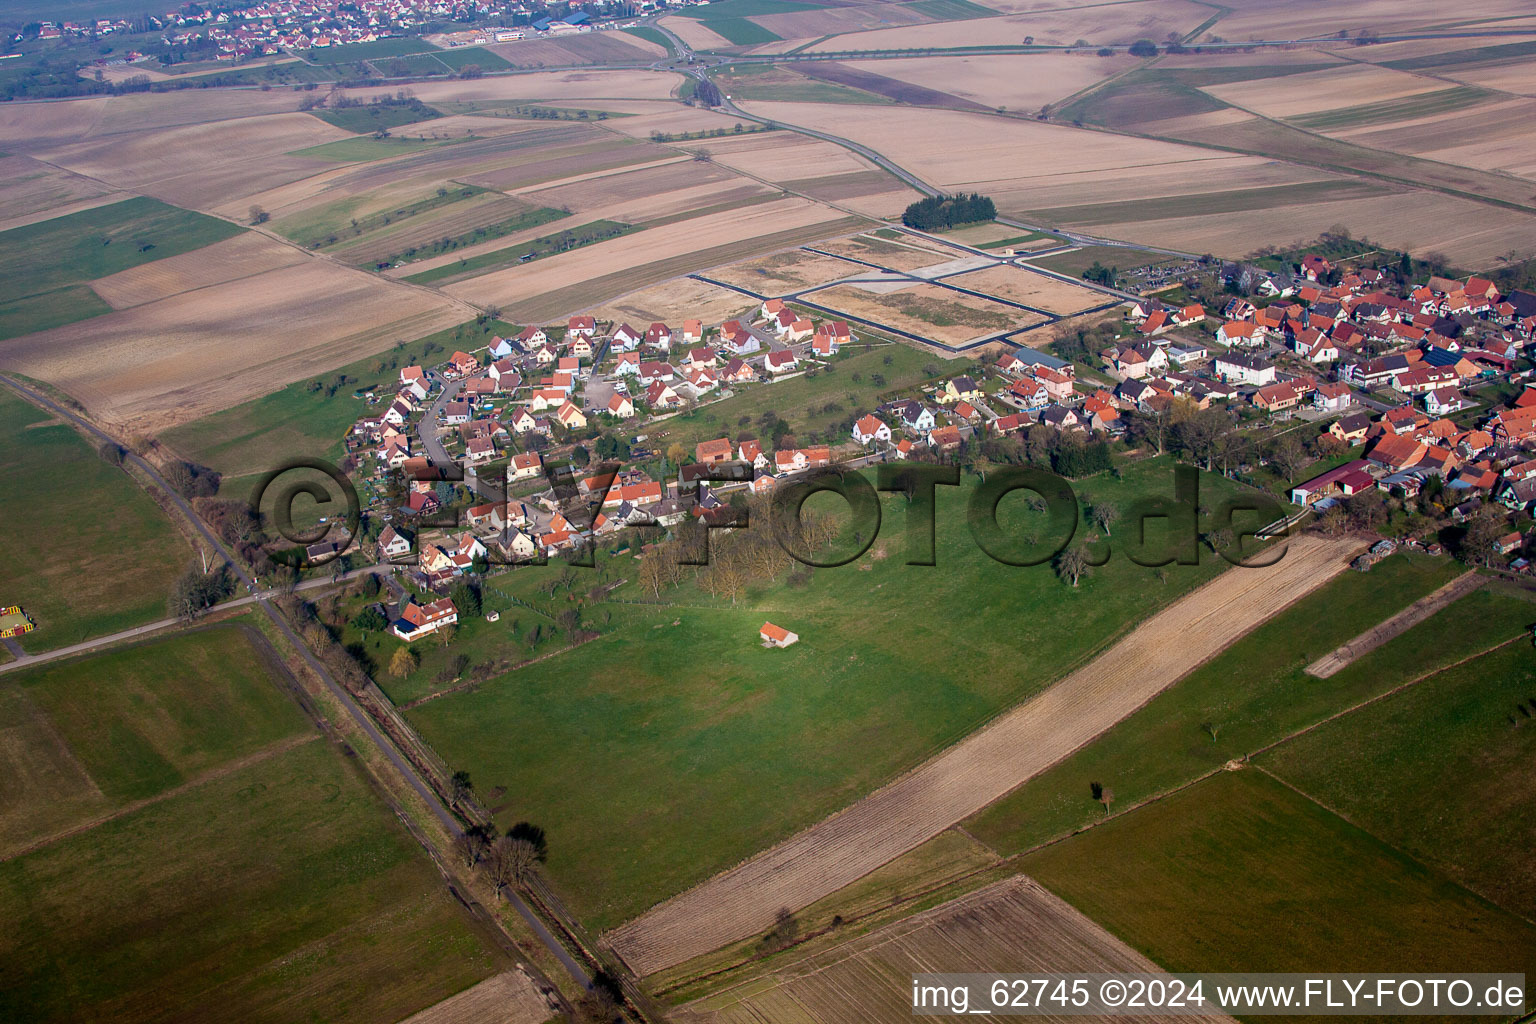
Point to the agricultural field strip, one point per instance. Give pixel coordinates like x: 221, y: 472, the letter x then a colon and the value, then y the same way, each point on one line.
x: 1423, y: 608
x: 1015, y: 925
x: 979, y: 769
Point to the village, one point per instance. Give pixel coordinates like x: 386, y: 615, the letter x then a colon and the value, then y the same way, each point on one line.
x: 1396, y: 395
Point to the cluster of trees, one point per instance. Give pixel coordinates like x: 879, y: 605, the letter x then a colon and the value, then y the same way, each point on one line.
x: 190, y: 480
x: 199, y: 588
x: 1101, y: 274
x: 936, y: 213
x: 1064, y: 452
x: 708, y: 93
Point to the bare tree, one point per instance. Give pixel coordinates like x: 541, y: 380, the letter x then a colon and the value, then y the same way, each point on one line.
x: 1288, y: 456
x: 1072, y: 564
x: 1104, y: 514
x: 510, y: 861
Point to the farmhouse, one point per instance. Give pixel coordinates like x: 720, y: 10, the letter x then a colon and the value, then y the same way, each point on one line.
x: 776, y: 636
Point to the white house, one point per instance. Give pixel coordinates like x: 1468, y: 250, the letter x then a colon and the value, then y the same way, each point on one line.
x: 1245, y: 369
x: 871, y: 428
x: 782, y: 361
x: 776, y: 636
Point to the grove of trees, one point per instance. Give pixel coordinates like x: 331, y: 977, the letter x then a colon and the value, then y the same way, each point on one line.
x: 936, y: 213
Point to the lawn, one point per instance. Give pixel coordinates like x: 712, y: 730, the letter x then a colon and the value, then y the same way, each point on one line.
x: 112, y: 565
x: 272, y: 886
x: 1240, y: 873
x: 1449, y: 772
x: 1256, y: 693
x: 1074, y: 263
x: 44, y: 266
x: 674, y: 746
x: 301, y: 419
x: 807, y: 402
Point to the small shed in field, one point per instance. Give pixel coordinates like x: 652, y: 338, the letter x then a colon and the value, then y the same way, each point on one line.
x: 776, y: 636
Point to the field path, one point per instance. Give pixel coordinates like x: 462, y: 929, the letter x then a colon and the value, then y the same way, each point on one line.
x: 979, y: 769
x: 1400, y: 623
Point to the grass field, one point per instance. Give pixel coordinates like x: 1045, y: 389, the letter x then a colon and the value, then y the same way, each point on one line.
x: 1256, y: 693
x: 1240, y: 873
x: 251, y: 438
x: 1451, y: 765
x: 461, y: 57
x: 44, y: 266
x: 1074, y: 263
x: 393, y: 47
x: 674, y: 746
x: 651, y: 35
x: 368, y: 148
x: 91, y: 552
x: 269, y: 885
x: 371, y: 117
x: 536, y: 248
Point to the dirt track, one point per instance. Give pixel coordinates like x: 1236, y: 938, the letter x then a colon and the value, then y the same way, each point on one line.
x: 978, y: 770
x: 1380, y: 633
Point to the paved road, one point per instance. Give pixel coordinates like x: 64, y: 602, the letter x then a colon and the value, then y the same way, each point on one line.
x: 406, y: 770
x: 432, y: 444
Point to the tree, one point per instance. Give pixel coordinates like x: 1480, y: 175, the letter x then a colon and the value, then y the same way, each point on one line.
x: 531, y: 833
x: 111, y: 453
x: 1486, y: 527
x: 1288, y: 456
x: 1072, y: 564
x: 1143, y: 48
x: 465, y: 598
x: 369, y: 620
x: 259, y: 216
x: 1103, y: 515
x: 403, y: 663
x: 676, y: 453
x: 198, y: 589
x: 510, y: 861
x: 460, y: 786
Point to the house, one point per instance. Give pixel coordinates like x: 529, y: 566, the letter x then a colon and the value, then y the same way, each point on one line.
x: 532, y: 338
x: 693, y: 332
x: 650, y: 373
x: 751, y: 452
x: 547, y: 398
x: 580, y: 326
x: 1057, y: 385
x: 871, y: 428
x: 779, y: 362
x: 776, y: 636
x: 522, y: 422
x: 455, y: 413
x: 659, y: 335
x: 626, y: 338
x: 627, y: 363
x: 961, y: 389
x: 718, y: 450
x: 525, y: 467
x: 797, y: 459
x: 1191, y: 314
x: 1444, y: 401
x: 1281, y: 395
x: 737, y: 372
x: 660, y: 395
x: 514, y: 544
x: 945, y: 439
x: 479, y: 449
x: 393, y: 544
x: 1030, y: 393
x: 1060, y: 417
x: 1184, y: 353
x: 502, y: 348
x: 1245, y: 369
x: 915, y: 416
x: 418, y: 620
x: 798, y: 330
x: 463, y: 363
x: 571, y: 417
x: 1156, y: 323
x: 412, y: 374
x: 620, y: 406
x: 742, y: 342
x: 700, y: 357
x: 1334, y: 396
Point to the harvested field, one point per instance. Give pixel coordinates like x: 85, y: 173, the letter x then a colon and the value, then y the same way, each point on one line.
x: 505, y: 287
x: 927, y: 311
x: 894, y: 89
x: 556, y: 88
x: 780, y: 156
x: 1398, y: 624
x: 979, y: 769
x: 1012, y: 926
x: 682, y: 202
x: 693, y: 32
x: 907, y: 254
x: 831, y: 21
x: 1512, y: 77
x: 1017, y: 84
x: 676, y: 301
x: 553, y: 164
x: 786, y: 272
x: 31, y: 191
x: 176, y: 359
x: 1020, y: 285
x: 673, y: 120
x: 507, y: 998
x: 1151, y: 19
x: 961, y: 150
x: 244, y: 255
x: 1489, y: 136
x: 587, y: 48
x: 202, y: 165
x: 1347, y: 86
x: 1292, y: 19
